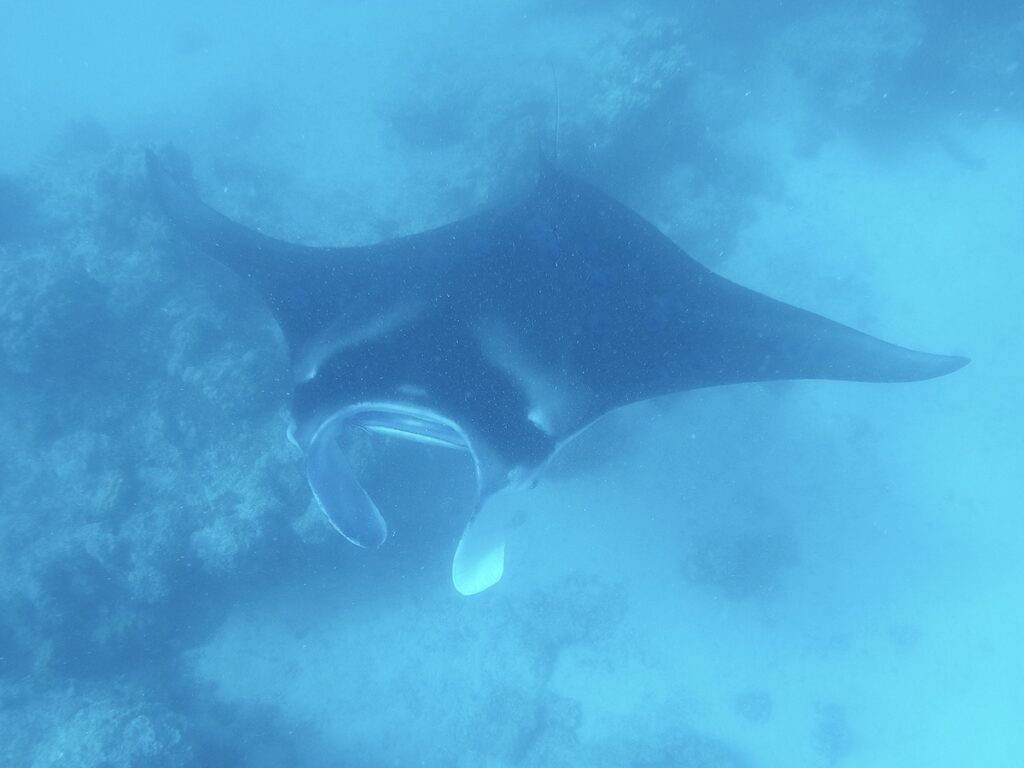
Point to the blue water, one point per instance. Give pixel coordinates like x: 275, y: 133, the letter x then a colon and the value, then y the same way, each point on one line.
x: 793, y: 574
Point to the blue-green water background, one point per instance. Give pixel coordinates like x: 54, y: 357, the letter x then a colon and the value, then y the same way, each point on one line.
x: 796, y: 574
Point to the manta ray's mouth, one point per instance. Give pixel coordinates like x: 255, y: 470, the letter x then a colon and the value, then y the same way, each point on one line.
x: 480, y: 555
x: 332, y: 478
x: 407, y: 423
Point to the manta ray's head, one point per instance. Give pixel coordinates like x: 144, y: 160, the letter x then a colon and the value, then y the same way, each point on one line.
x: 340, y: 494
x: 334, y: 480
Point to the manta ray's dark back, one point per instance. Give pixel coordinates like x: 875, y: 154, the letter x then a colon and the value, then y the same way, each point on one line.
x: 509, y: 332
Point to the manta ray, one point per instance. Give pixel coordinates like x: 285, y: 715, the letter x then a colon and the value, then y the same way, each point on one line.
x: 506, y: 334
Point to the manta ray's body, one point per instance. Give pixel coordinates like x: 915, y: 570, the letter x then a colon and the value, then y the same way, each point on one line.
x: 509, y: 332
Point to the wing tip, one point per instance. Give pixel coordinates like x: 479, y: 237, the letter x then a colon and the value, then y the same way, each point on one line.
x: 929, y: 366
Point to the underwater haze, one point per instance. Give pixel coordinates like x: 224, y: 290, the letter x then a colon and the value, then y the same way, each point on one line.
x: 799, y: 573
